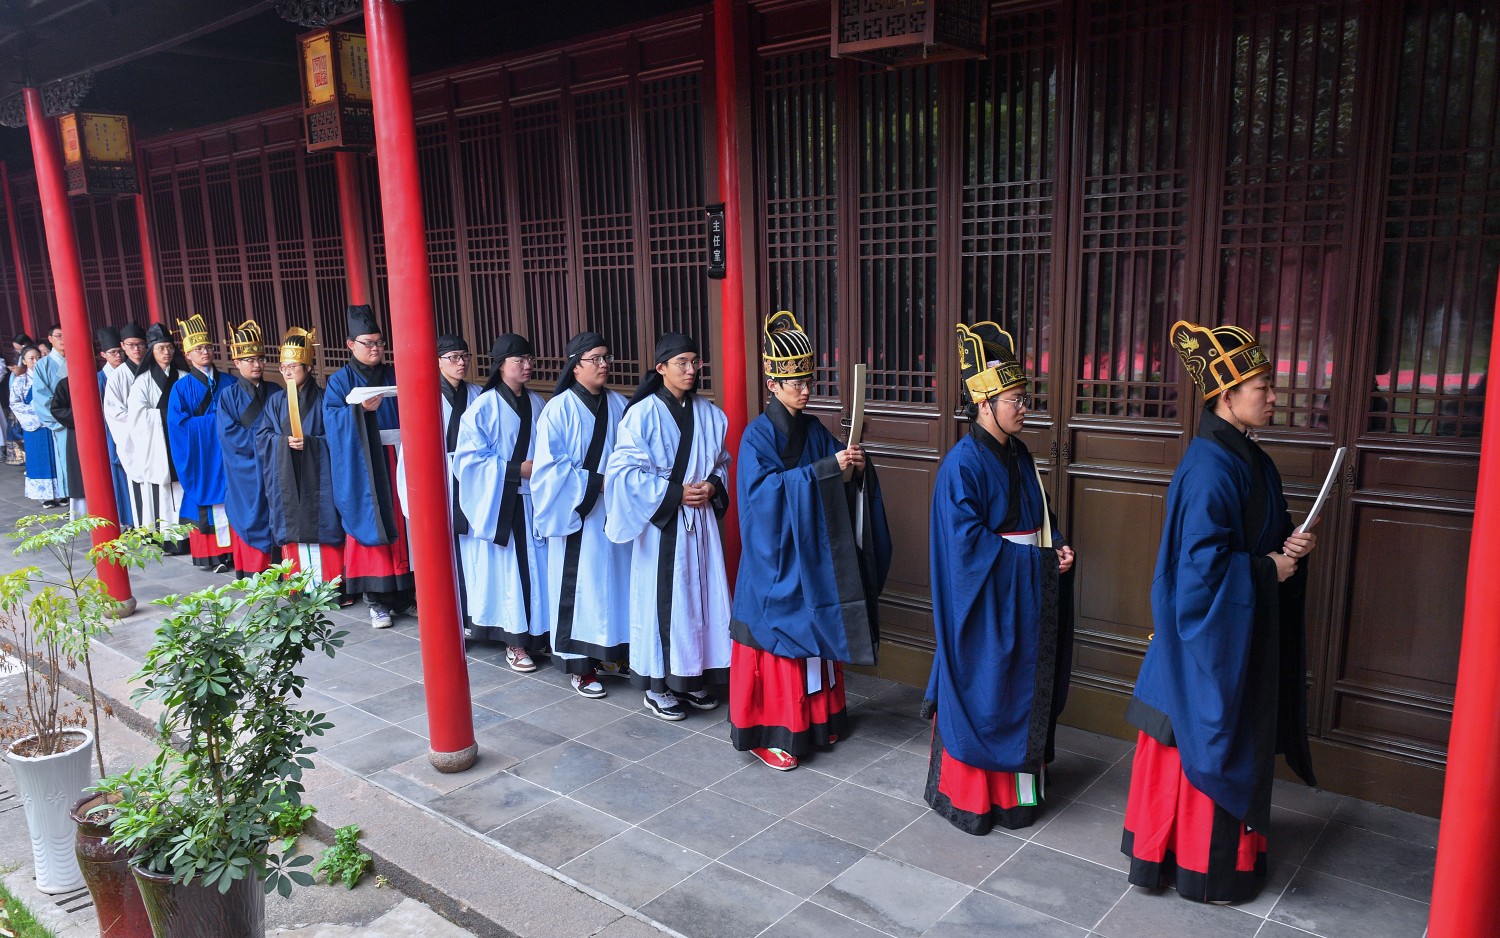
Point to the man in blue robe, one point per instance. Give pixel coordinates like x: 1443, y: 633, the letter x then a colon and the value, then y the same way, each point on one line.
x: 362, y: 440
x: 1222, y: 689
x: 240, y: 408
x: 192, y: 427
x: 814, y: 551
x: 46, y: 375
x: 999, y: 675
x: 113, y: 360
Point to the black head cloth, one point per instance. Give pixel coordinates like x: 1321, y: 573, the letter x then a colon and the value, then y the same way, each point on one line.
x: 362, y: 321
x: 506, y: 346
x: 108, y: 338
x: 451, y: 343
x: 577, y: 347
x: 158, y: 334
x: 668, y: 347
x: 131, y: 331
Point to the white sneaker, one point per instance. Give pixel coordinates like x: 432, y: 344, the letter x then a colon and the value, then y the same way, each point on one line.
x: 588, y: 685
x: 380, y: 618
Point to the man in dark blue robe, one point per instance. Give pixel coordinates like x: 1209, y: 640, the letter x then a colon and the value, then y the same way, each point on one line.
x: 813, y: 558
x: 362, y: 439
x: 999, y: 676
x: 239, y: 411
x: 192, y: 428
x: 1222, y: 688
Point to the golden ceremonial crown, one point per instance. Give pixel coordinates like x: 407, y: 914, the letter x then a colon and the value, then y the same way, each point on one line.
x: 246, y: 341
x: 987, y: 361
x: 1218, y: 358
x: 789, y: 352
x: 194, y: 332
x: 297, y: 346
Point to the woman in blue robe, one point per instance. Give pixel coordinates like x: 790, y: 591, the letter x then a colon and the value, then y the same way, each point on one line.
x: 41, y: 471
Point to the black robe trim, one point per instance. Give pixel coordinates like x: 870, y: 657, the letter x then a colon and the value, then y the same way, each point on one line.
x: 967, y: 821
x: 259, y: 392
x: 300, y: 472
x: 457, y: 396
x: 1222, y: 883
x: 667, y: 518
x: 377, y: 470
x: 164, y: 381
x: 511, y: 524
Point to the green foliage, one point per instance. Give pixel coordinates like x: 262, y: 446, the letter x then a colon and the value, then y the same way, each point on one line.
x: 16, y: 921
x: 290, y: 820
x: 224, y: 669
x: 344, y: 860
x: 48, y: 621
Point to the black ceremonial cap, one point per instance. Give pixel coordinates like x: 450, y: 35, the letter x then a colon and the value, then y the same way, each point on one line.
x: 362, y: 321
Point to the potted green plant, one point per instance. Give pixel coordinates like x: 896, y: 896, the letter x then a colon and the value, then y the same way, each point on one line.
x: 200, y: 821
x: 49, y: 619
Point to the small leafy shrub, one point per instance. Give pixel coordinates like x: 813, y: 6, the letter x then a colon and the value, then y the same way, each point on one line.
x: 292, y: 818
x: 344, y: 860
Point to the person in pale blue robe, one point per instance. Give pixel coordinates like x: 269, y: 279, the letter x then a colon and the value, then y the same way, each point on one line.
x: 48, y: 372
x: 504, y: 559
x: 41, y: 470
x: 588, y: 576
x: 664, y: 491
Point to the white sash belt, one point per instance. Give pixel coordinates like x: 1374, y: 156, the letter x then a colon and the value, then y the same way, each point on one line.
x: 1033, y: 538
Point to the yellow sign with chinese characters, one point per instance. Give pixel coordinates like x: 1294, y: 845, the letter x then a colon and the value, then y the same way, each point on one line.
x: 317, y: 69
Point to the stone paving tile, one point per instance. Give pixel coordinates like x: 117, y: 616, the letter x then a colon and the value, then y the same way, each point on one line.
x: 897, y: 899
x: 1299, y: 797
x: 857, y: 814
x: 1110, y: 790
x: 487, y: 762
x: 1278, y: 876
x: 404, y: 787
x: 709, y: 823
x: 349, y: 722
x: 633, y: 793
x: 1084, y: 831
x: 410, y: 666
x: 492, y: 802
x: 393, y: 706
x: 935, y: 845
x: 1061, y: 886
x: 482, y: 676
x: 559, y: 831
x: 519, y: 698
x: 898, y: 774
x: 900, y: 698
x: 377, y: 750
x: 1372, y: 859
x: 1337, y: 908
x: 698, y: 760
x: 568, y: 767
x: 794, y: 857
x: 879, y: 724
x: 1389, y: 821
x: 574, y: 716
x: 1292, y: 835
x: 634, y: 737
x: 846, y: 757
x: 635, y: 866
x: 984, y: 916
x: 811, y: 919
x: 353, y: 684
x: 483, y: 720
x: 1141, y: 914
x: 865, y: 685
x: 1070, y: 774
x: 1278, y: 930
x: 515, y: 736
x: 1093, y: 745
x: 780, y: 793
x: 385, y: 645
x: 719, y: 902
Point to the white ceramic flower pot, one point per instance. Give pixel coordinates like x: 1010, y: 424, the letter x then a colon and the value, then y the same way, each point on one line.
x: 50, y: 786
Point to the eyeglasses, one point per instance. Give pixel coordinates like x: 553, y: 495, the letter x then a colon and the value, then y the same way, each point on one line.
x: 377, y: 343
x: 598, y: 360
x: 796, y: 384
x: 252, y: 358
x: 686, y: 365
x: 455, y: 358
x: 522, y: 359
x: 1019, y: 403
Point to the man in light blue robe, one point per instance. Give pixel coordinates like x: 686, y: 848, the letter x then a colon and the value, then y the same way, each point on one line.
x: 504, y: 560
x: 664, y: 491
x: 46, y: 375
x: 588, y: 577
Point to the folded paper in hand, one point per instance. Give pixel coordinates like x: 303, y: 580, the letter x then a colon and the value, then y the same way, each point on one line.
x: 360, y: 395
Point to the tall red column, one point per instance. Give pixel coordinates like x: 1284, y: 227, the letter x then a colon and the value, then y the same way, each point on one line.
x: 732, y: 304
x: 147, y: 238
x: 67, y: 280
x: 445, y: 674
x: 23, y: 287
x: 352, y: 225
x: 1465, y: 901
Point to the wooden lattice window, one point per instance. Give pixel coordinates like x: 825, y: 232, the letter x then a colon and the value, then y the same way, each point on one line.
x: 897, y: 229
x: 606, y: 227
x: 169, y: 257
x: 442, y: 231
x: 798, y: 148
x: 1283, y: 220
x: 224, y: 240
x: 1009, y: 183
x: 321, y: 241
x: 260, y: 271
x: 543, y: 233
x: 671, y: 130
x: 486, y: 235
x: 1442, y: 226
x: 1136, y: 137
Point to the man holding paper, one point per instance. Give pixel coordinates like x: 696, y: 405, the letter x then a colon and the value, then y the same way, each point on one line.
x: 810, y: 572
x: 363, y: 430
x: 1222, y: 689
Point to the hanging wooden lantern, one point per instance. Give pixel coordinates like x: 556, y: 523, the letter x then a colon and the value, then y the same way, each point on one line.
x: 337, y: 109
x: 98, y: 157
x: 910, y: 32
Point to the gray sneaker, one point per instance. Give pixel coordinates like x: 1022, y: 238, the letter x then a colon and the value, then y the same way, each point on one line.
x: 380, y: 617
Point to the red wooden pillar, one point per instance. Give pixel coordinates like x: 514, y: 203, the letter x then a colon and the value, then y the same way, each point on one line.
x: 67, y: 279
x: 445, y: 673
x: 732, y: 304
x: 23, y: 287
x: 148, y: 243
x: 352, y: 224
x: 1465, y: 901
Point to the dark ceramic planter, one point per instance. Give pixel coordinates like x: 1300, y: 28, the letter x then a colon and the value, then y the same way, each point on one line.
x: 197, y: 911
x: 106, y: 870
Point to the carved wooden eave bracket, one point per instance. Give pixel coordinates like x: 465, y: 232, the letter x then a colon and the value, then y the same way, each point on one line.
x: 58, y: 97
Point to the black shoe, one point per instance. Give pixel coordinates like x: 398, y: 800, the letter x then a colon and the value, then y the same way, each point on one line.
x: 671, y: 713
x: 702, y: 700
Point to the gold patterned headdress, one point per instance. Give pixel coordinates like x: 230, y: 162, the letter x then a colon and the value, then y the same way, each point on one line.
x: 789, y: 352
x: 194, y: 332
x: 297, y: 346
x: 246, y: 341
x: 987, y: 361
x: 1218, y: 358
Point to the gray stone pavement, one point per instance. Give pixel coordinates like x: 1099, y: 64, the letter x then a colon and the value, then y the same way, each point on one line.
x: 590, y: 817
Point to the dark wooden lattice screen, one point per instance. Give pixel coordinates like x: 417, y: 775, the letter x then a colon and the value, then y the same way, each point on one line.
x: 110, y: 255
x: 898, y: 215
x: 1009, y: 183
x: 1137, y: 138
x: 798, y: 146
x: 433, y: 150
x: 486, y: 235
x: 543, y: 233
x: 1442, y: 226
x: 606, y: 230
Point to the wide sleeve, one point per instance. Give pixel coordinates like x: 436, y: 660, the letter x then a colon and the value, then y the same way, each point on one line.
x: 558, y: 478
x: 481, y: 462
x: 117, y: 402
x: 43, y: 387
x: 24, y: 412
x: 638, y: 491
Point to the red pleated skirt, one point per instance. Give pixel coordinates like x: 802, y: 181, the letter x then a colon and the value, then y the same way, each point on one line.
x: 974, y: 800
x: 247, y: 560
x: 770, y: 707
x: 1176, y: 835
x: 205, y: 550
x: 384, y: 568
x: 331, y: 557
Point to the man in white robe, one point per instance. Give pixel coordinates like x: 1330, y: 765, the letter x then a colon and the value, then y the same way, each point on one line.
x: 159, y: 495
x: 117, y: 386
x: 664, y: 489
x: 504, y: 560
x: 48, y: 373
x: 588, y: 577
